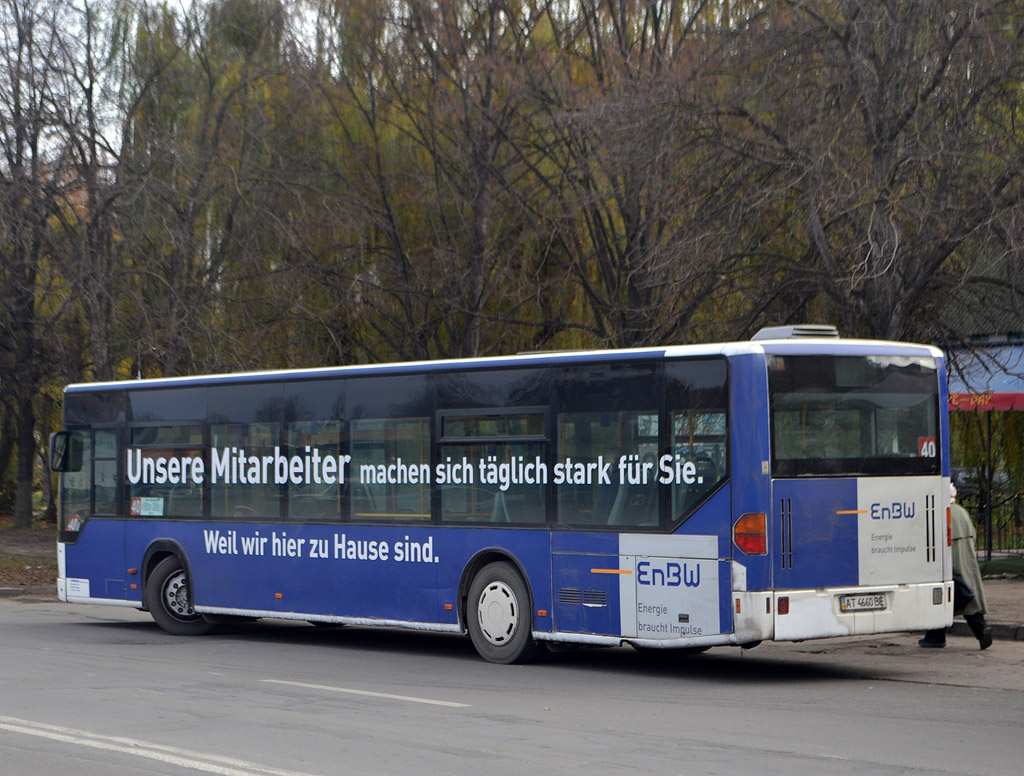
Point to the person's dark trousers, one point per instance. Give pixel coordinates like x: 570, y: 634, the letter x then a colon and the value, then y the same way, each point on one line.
x: 934, y: 638
x: 982, y: 632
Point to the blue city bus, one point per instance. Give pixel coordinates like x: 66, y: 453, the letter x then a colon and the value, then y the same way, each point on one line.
x: 794, y: 486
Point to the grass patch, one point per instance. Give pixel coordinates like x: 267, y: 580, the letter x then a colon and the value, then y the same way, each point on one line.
x: 28, y: 556
x: 26, y: 571
x: 38, y: 526
x: 11, y: 562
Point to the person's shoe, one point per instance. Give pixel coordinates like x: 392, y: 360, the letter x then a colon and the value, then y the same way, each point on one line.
x: 985, y: 639
x: 935, y: 644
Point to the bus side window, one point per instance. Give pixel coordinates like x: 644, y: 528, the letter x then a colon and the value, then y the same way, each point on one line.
x: 491, y: 467
x: 390, y: 471
x: 319, y: 497
x: 606, y: 469
x: 164, y: 478
x: 245, y: 488
x: 698, y: 455
x: 104, y: 472
x: 699, y: 460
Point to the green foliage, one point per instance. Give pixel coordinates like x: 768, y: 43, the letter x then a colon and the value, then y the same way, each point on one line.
x: 977, y: 435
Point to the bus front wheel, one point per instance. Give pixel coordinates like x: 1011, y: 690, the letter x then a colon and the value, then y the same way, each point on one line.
x: 169, y: 600
x: 498, y: 616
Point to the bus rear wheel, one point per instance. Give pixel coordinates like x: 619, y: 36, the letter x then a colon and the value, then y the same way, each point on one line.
x: 498, y: 616
x: 169, y: 600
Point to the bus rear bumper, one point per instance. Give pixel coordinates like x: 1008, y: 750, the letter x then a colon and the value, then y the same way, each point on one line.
x: 823, y: 613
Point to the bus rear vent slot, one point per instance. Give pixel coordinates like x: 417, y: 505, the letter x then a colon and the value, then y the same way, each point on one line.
x: 786, y: 549
x: 931, y: 528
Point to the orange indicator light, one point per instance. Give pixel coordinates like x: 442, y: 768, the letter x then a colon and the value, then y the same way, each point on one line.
x: 750, y: 534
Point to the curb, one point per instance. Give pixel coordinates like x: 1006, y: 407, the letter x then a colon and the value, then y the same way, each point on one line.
x: 1000, y: 630
x: 14, y: 592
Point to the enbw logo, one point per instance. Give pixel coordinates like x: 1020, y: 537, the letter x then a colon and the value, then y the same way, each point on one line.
x: 897, y: 510
x: 671, y: 575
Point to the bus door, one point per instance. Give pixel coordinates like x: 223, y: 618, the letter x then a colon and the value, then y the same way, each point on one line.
x: 92, y: 532
x: 585, y: 575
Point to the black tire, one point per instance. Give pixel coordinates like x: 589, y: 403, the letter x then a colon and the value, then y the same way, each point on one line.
x: 498, y: 616
x: 169, y: 600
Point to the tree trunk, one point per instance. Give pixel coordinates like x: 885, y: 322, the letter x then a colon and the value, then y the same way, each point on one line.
x: 26, y: 459
x: 7, y: 434
x: 49, y: 492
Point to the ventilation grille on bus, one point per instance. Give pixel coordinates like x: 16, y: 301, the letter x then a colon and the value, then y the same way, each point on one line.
x: 571, y: 595
x: 796, y: 332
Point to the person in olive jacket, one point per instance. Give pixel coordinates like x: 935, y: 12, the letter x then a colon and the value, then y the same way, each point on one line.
x: 965, y: 565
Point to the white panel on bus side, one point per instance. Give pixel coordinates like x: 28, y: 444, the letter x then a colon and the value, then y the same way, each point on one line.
x: 901, y: 529
x: 669, y: 586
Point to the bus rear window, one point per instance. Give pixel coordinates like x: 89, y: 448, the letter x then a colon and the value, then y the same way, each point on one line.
x: 853, y: 415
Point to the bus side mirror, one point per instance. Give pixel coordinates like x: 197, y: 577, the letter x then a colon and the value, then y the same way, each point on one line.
x: 65, y: 452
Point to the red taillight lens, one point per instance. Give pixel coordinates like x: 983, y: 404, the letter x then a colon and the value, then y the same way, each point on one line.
x: 750, y: 534
x: 949, y: 527
x: 783, y: 605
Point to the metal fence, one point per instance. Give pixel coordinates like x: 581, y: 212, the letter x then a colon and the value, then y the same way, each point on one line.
x: 1005, y: 534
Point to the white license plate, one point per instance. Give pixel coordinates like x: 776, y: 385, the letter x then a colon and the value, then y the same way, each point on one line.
x: 862, y: 602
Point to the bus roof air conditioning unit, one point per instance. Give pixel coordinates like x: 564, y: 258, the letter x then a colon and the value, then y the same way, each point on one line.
x: 797, y: 332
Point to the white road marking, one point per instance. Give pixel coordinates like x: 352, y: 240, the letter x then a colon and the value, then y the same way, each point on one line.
x: 171, y: 755
x: 389, y: 696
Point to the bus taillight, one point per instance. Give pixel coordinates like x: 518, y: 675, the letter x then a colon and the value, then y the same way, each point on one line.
x: 949, y: 527
x: 750, y: 533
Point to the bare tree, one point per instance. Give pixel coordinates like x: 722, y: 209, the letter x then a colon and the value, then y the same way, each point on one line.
x: 887, y: 131
x: 31, y: 172
x: 195, y: 163
x: 641, y: 202
x: 432, y: 106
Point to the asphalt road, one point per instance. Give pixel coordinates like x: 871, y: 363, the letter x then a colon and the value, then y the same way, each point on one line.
x: 102, y: 691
